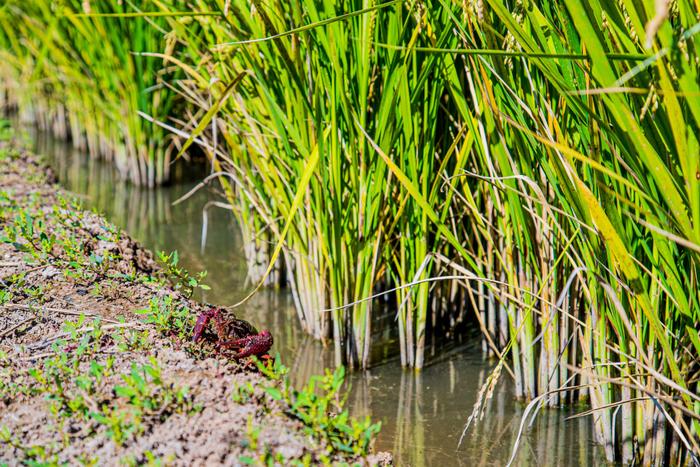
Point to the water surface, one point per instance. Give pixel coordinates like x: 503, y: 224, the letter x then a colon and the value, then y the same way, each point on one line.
x: 423, y: 414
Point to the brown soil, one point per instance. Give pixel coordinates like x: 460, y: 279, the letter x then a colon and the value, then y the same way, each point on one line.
x: 212, y: 428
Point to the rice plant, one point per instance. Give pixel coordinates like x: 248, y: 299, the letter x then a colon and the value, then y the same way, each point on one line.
x: 576, y: 224
x: 602, y: 154
x: 267, y: 131
x: 79, y: 77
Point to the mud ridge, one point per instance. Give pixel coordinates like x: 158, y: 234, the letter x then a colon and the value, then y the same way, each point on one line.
x: 96, y: 360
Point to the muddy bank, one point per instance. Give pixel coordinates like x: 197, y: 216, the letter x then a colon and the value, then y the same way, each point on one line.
x: 97, y: 363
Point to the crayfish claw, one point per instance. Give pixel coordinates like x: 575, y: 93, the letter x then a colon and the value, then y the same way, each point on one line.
x: 202, y: 322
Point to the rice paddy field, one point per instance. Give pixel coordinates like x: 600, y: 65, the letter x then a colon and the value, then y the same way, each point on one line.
x: 409, y: 171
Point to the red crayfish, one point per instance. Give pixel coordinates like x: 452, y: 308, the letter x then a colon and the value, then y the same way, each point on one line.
x: 232, y: 334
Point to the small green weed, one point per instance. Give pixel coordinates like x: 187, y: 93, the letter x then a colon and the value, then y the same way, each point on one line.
x: 5, y: 134
x: 59, y: 236
x: 147, y: 458
x: 243, y: 393
x: 145, y: 389
x: 320, y: 407
x: 169, y: 317
x: 36, y: 454
x: 180, y: 277
x: 5, y: 296
x: 143, y: 394
x: 83, y: 390
x: 127, y: 339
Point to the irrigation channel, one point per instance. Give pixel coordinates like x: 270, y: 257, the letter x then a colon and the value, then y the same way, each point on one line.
x: 423, y: 414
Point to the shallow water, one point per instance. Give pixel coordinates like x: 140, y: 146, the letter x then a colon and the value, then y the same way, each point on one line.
x: 422, y: 414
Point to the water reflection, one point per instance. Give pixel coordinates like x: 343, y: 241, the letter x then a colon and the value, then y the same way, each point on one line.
x: 428, y: 411
x: 422, y: 414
